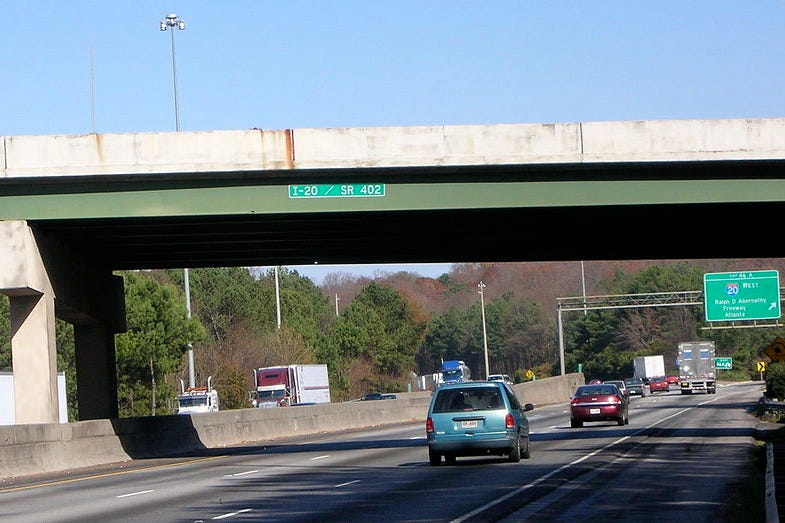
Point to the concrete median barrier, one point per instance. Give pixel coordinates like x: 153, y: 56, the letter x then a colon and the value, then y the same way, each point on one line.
x: 40, y: 448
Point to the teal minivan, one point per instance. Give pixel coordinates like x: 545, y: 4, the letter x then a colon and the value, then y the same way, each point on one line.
x: 476, y: 418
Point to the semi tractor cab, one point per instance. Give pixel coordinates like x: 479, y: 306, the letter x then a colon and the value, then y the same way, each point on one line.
x: 455, y: 371
x: 193, y: 400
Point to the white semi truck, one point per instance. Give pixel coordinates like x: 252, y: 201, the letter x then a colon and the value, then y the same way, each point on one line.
x: 289, y: 385
x: 194, y: 400
x: 697, y: 367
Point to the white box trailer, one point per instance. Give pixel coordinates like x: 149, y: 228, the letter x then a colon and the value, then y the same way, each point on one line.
x: 647, y: 367
x: 312, y: 384
x: 7, y: 408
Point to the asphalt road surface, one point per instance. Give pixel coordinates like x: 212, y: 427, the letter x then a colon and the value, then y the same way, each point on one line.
x: 681, y: 458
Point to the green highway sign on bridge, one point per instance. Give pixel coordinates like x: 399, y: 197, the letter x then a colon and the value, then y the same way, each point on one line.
x: 337, y: 190
x: 734, y: 296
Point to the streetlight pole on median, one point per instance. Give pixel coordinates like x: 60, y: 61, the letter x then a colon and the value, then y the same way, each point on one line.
x: 481, y: 286
x: 172, y: 21
x: 277, y: 300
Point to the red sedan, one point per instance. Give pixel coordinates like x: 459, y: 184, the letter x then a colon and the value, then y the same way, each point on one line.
x: 673, y: 380
x: 658, y: 385
x: 600, y: 402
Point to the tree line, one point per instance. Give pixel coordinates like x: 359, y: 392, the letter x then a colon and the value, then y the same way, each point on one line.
x: 382, y: 337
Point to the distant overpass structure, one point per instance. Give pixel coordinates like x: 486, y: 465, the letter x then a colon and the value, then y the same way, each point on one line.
x: 75, y: 208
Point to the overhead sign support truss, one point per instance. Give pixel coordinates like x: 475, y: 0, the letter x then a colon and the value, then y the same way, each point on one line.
x: 634, y: 301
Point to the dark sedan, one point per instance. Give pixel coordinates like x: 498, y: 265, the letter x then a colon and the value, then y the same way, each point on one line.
x: 378, y: 396
x: 635, y: 386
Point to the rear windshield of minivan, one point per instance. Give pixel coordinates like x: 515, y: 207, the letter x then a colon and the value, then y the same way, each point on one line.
x: 468, y: 399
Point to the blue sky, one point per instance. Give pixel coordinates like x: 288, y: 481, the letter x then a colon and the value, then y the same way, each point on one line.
x: 77, y: 66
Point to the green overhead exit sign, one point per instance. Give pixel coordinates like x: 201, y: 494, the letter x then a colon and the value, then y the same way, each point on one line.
x: 337, y: 190
x: 745, y: 295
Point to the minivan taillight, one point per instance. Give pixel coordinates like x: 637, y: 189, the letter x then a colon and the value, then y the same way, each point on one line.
x: 429, y: 425
x: 509, y: 421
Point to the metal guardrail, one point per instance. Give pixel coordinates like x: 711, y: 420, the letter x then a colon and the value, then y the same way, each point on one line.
x: 771, y: 405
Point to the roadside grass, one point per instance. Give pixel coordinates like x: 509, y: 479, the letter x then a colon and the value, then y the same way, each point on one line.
x: 747, y: 503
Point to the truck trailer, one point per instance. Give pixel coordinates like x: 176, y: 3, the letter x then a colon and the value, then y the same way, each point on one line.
x: 289, y: 385
x: 696, y: 367
x: 647, y: 367
x: 7, y: 401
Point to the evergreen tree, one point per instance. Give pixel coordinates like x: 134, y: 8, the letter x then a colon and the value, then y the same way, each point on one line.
x: 158, y: 335
x: 378, y: 327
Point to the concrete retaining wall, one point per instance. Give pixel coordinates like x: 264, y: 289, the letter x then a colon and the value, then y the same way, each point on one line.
x: 32, y: 449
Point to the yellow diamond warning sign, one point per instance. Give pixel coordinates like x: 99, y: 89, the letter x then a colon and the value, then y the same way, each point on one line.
x: 776, y: 350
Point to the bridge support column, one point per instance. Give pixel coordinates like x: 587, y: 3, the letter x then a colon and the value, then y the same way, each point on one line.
x: 33, y: 351
x: 96, y: 372
x: 92, y: 300
x: 34, y: 358
x: 44, y: 278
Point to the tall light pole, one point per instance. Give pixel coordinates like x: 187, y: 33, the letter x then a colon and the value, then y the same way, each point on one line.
x: 277, y: 300
x: 583, y: 285
x: 481, y: 286
x: 172, y: 21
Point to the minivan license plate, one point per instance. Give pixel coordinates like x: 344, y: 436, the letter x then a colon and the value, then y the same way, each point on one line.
x: 471, y: 424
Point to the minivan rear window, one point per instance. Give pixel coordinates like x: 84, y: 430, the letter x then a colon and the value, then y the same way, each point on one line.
x: 468, y: 399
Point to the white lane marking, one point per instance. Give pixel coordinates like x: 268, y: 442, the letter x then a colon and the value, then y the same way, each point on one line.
x: 417, y: 437
x: 135, y: 493
x: 320, y: 457
x: 230, y: 514
x: 241, y: 473
x: 347, y: 483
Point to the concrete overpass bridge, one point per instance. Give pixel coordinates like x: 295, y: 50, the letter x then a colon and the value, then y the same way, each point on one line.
x: 73, y: 209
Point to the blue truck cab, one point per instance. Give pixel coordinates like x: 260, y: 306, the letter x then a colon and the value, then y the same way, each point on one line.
x: 455, y: 371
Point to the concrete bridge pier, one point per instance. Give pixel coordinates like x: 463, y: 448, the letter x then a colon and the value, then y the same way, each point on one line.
x: 34, y: 357
x: 96, y: 372
x: 45, y: 280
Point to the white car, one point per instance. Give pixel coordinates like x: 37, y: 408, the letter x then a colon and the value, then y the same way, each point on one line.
x: 500, y: 377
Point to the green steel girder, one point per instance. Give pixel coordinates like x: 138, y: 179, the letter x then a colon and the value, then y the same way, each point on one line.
x: 439, y: 214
